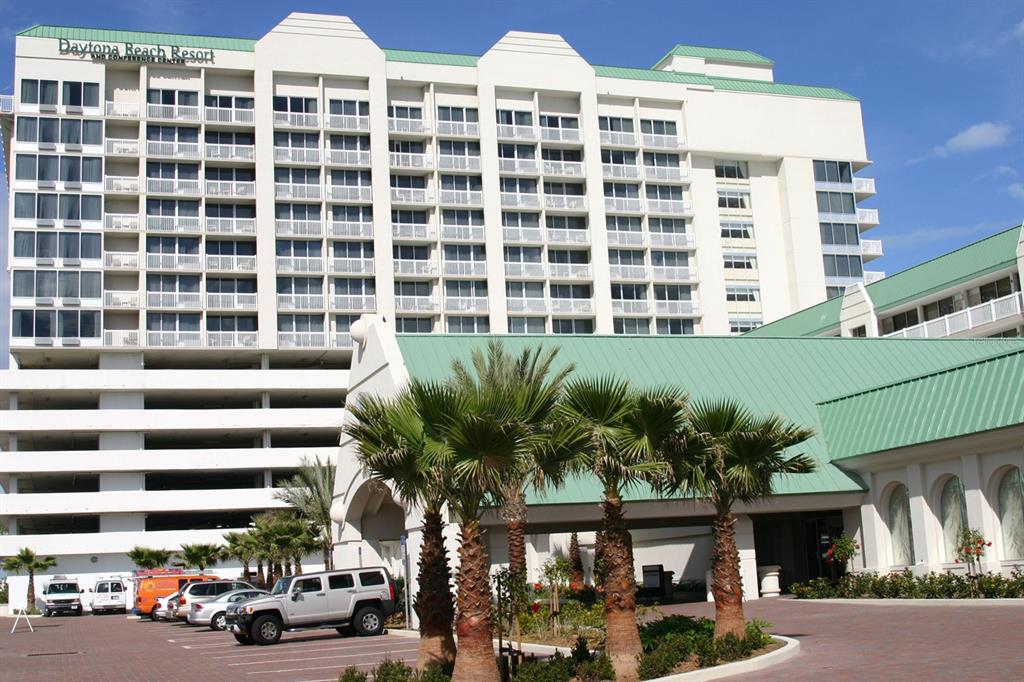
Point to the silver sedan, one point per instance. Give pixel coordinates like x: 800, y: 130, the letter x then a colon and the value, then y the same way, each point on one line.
x: 212, y: 612
x: 164, y: 606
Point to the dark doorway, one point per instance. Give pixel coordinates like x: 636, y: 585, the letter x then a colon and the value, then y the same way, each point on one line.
x: 797, y: 542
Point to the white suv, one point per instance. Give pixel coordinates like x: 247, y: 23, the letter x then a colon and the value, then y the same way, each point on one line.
x: 62, y: 595
x: 109, y: 596
x: 203, y: 592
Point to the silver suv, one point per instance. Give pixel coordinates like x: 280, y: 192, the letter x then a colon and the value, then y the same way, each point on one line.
x: 357, y: 599
x: 204, y: 591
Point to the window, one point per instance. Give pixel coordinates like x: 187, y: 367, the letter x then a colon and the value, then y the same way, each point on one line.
x: 574, y: 189
x: 733, y: 199
x: 463, y: 183
x: 737, y: 230
x: 570, y: 291
x: 26, y: 129
x: 549, y: 154
x: 518, y: 185
x: 468, y: 325
x: 295, y: 211
x: 410, y: 252
x: 524, y: 289
x: 674, y: 327
x: 347, y: 214
x: 526, y: 325
x: 665, y: 192
x: 350, y: 142
x: 516, y: 151
x: 299, y: 285
x: 833, y: 171
x: 29, y: 91
x: 406, y: 112
x: 900, y: 321
x: 229, y: 102
x: 671, y: 292
x: 629, y: 292
x: 179, y: 134
x: 406, y: 146
x: 81, y: 94
x: 742, y: 294
x: 837, y: 265
x: 833, y: 292
x: 625, y: 257
x: 631, y: 326
x: 459, y: 148
x: 510, y: 117
x: 406, y: 181
x: 522, y: 254
x: 836, y: 202
x: 840, y: 233
x: 451, y: 216
x: 519, y: 219
x: 340, y: 582
x: 348, y: 107
x: 991, y: 291
x: 414, y: 325
x: 621, y: 190
x: 362, y: 250
x: 900, y: 530
x: 182, y: 98
x: 300, y: 323
x: 457, y: 114
x: 656, y: 127
x: 296, y: 140
x: 1011, y: 513
x: 465, y: 288
x: 552, y: 121
x: 739, y: 326
x: 370, y: 578
x: 299, y: 248
x: 615, y: 124
x: 618, y: 157
x: 48, y: 93
x: 623, y: 223
x: 566, y: 222
x: 732, y: 170
x: 571, y: 326
x: 739, y: 261
x: 941, y: 308
x: 304, y: 585
x: 953, y: 512
x: 672, y: 259
x: 298, y: 176
x: 295, y: 105
x: 859, y: 332
x: 660, y: 160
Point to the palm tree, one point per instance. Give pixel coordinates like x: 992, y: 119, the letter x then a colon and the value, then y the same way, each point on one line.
x: 199, y: 556
x: 28, y: 561
x: 149, y: 557
x: 311, y: 492
x: 304, y: 544
x: 728, y: 455
x: 239, y: 545
x: 623, y: 432
x: 391, y: 442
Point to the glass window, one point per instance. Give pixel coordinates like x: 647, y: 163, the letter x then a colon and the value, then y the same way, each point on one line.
x: 900, y: 528
x: 340, y: 582
x: 1011, y: 513
x: 27, y: 129
x: 526, y: 325
x: 674, y: 327
x: 25, y: 167
x: 29, y: 91
x: 953, y: 512
x: 48, y: 92
x: 733, y: 170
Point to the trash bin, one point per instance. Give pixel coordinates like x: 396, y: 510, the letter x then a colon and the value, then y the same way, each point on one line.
x: 653, y: 577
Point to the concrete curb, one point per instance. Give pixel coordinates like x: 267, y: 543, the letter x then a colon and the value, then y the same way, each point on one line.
x: 790, y: 648
x: 917, y: 602
x: 527, y: 647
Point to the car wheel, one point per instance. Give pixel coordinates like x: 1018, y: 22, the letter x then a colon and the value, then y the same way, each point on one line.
x: 78, y: 611
x: 266, y: 630
x: 345, y: 630
x: 152, y: 614
x: 46, y: 612
x: 244, y: 639
x: 368, y: 621
x: 219, y: 622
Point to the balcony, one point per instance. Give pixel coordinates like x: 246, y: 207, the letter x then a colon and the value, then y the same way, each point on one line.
x: 618, y: 138
x: 661, y: 141
x: 347, y: 157
x: 524, y: 269
x: 298, y: 228
x: 569, y: 270
x: 516, y: 132
x: 679, y: 240
x: 560, y: 134
x: 626, y: 238
x: 357, y: 193
x: 518, y: 166
x: 169, y: 223
x: 872, y: 276
x: 465, y: 304
x: 231, y: 263
x: 967, y: 319
x: 416, y: 267
x: 291, y: 119
x: 301, y: 339
x: 621, y: 272
x: 572, y: 305
x: 465, y: 268
x: 668, y: 206
x: 624, y: 204
x: 864, y: 187
x: 173, y: 112
x: 458, y: 163
x: 352, y: 266
x: 173, y: 299
x: 674, y: 308
x: 463, y: 233
x: 666, y: 173
x: 300, y: 264
x: 565, y: 202
x: 620, y: 171
x: 287, y: 190
x: 121, y: 184
x: 415, y: 126
x: 560, y: 236
x: 177, y: 339
x: 121, y: 299
x: 230, y: 152
x: 871, y: 249
x: 411, y: 195
x: 233, y: 301
x: 457, y: 197
x: 230, y: 115
x: 232, y: 339
x: 121, y: 338
x: 364, y: 303
x: 422, y: 232
x: 410, y: 160
x: 297, y: 154
x: 630, y: 307
x: 176, y: 150
x: 231, y: 225
x: 230, y: 188
x: 173, y: 261
x: 342, y: 228
x: 113, y: 146
x: 121, y: 260
x: 347, y: 122
x: 458, y: 128
x: 123, y: 110
x: 570, y: 169
x: 536, y: 304
x: 121, y: 222
x: 670, y: 273
x: 520, y: 200
x: 174, y: 186
x: 416, y: 304
x: 342, y: 340
x: 867, y: 216
x: 6, y: 104
x: 522, y: 235
x: 300, y: 301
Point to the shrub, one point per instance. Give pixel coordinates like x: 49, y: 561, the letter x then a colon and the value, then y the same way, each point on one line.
x: 596, y: 670
x: 671, y: 650
x: 652, y: 633
x: 352, y: 675
x: 581, y: 667
x: 436, y: 673
x: 3, y: 592
x: 674, y: 639
x: 393, y: 671
x: 905, y: 585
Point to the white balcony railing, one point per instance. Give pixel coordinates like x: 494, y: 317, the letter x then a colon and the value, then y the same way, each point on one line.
x: 524, y: 269
x: 462, y: 163
x: 287, y: 190
x: 120, y: 299
x: 411, y: 160
x: 672, y: 239
x: 296, y: 119
x: 572, y: 169
x: 464, y: 268
x: 123, y: 109
x: 231, y: 225
x: 232, y: 339
x: 967, y: 319
x: 871, y: 247
x: 347, y: 122
x: 661, y: 141
x: 625, y: 204
x: 173, y: 261
x: 668, y: 206
x: 569, y: 270
x: 457, y: 197
x: 458, y: 128
x: 231, y: 152
x: 536, y: 304
x: 231, y: 263
x: 671, y: 273
x: 121, y: 338
x: 230, y: 188
x: 871, y: 276
x: 522, y: 235
x: 626, y: 238
x: 175, y: 186
x: 124, y: 260
x: 121, y: 222
x: 520, y: 200
x: 570, y: 202
x: 230, y: 115
x: 620, y: 171
x: 867, y: 216
x: 864, y: 185
x: 297, y: 154
x: 179, y: 339
x: 416, y: 304
x: 173, y: 299
x: 411, y: 195
x: 342, y: 228
x: 521, y: 166
x: 666, y: 173
x: 301, y: 339
x: 299, y: 228
x: 342, y: 340
x: 408, y: 125
x: 561, y: 236
x: 674, y: 307
x: 416, y: 267
x: 630, y: 307
x: 173, y: 112
x: 231, y: 301
x: 465, y: 304
x: 465, y: 233
x: 121, y: 147
x: 347, y: 157
x: 559, y: 134
x: 627, y: 271
x: 572, y: 305
x: 349, y: 192
x: 363, y: 303
x: 414, y: 231
x: 517, y: 132
x: 300, y: 301
x: 177, y: 150
x: 352, y: 266
x: 180, y: 224
x: 618, y: 138
x: 300, y: 264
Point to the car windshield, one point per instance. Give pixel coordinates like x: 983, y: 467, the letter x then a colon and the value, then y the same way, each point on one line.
x: 62, y: 588
x: 281, y: 586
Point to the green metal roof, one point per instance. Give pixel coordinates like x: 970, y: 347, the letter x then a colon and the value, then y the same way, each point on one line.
x: 975, y: 397
x: 787, y: 376
x: 943, y: 272
x: 652, y: 75
x: 719, y: 54
x: 772, y: 88
x: 435, y: 58
x: 104, y: 35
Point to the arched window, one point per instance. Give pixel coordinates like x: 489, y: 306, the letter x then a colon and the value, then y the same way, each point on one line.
x: 900, y: 529
x: 1011, y: 514
x: 953, y: 510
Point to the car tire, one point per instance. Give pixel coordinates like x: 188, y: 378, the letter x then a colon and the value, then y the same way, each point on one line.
x: 46, y: 612
x: 345, y: 630
x: 219, y: 622
x: 152, y: 614
x: 266, y: 630
x: 78, y: 611
x: 244, y: 639
x: 368, y: 621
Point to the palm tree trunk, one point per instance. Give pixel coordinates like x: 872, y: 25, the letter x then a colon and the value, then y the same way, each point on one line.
x: 475, y: 660
x: 261, y: 581
x: 246, y: 573
x: 288, y: 566
x: 514, y: 514
x: 433, y: 602
x: 298, y: 565
x: 30, y: 598
x: 328, y: 555
x: 727, y: 584
x: 623, y: 643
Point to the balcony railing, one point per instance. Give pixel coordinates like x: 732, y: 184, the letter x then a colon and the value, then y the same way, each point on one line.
x: 627, y: 271
x: 179, y: 224
x: 618, y: 138
x: 231, y: 225
x: 411, y: 195
x: 668, y: 173
x: 661, y: 141
x: 967, y: 319
x: 569, y: 270
x: 630, y: 307
x: 517, y: 132
x: 467, y: 233
x: 625, y: 204
x: 121, y: 147
x: 416, y: 267
x: 410, y: 160
x: 620, y: 170
x: 523, y: 166
x: 179, y: 339
x: 457, y: 197
x: 871, y: 248
x: 572, y: 305
x: 349, y: 192
x: 572, y: 169
x: 674, y: 307
x: 458, y: 128
x: 626, y: 238
x: 676, y: 239
x: 296, y: 119
x: 352, y: 266
x: 286, y: 190
x: 301, y: 339
x: 414, y: 231
x: 173, y: 299
x: 463, y: 163
x: 297, y: 154
x: 233, y: 301
x: 173, y: 112
x: 464, y: 268
x: 124, y: 260
x: 522, y: 235
x: 671, y: 273
x: 231, y: 263
x: 867, y: 216
x: 364, y: 303
x: 232, y: 339
x: 560, y: 236
x: 6, y: 104
x: 121, y: 222
x: 864, y: 186
x: 872, y: 276
x: 177, y: 150
x: 559, y: 134
x: 123, y: 109
x: 299, y: 228
x: 668, y: 206
x: 230, y: 188
x: 524, y: 269
x: 408, y: 125
x: 231, y: 152
x: 121, y: 338
x: 347, y: 122
x: 120, y: 299
x: 569, y: 202
x: 173, y: 261
x: 300, y: 264
x: 520, y: 200
x: 465, y: 304
x: 187, y: 187
x: 347, y: 157
x: 416, y: 304
x: 341, y: 228
x: 527, y: 305
x: 300, y: 301
x: 230, y: 115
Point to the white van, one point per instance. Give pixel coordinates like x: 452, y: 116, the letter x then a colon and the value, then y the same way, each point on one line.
x: 110, y: 596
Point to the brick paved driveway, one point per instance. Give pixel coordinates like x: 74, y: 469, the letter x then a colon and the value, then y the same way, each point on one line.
x: 114, y: 649
x: 890, y: 641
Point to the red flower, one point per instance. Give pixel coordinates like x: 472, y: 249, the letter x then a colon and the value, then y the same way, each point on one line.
x: 956, y: 561
x: 599, y: 589
x: 535, y: 607
x: 988, y: 544
x: 830, y: 551
x: 538, y: 586
x: 574, y: 586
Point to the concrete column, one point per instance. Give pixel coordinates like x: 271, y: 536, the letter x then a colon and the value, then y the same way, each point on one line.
x: 979, y: 512
x: 853, y: 526
x: 920, y: 517
x: 748, y: 556
x: 874, y: 553
x: 413, y: 543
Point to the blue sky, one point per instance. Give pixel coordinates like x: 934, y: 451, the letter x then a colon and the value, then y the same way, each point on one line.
x: 941, y: 83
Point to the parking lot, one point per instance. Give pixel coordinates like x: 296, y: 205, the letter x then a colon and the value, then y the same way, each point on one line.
x: 113, y: 648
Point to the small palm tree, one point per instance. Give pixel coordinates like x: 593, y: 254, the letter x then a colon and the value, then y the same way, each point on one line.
x: 29, y: 562
x: 200, y: 556
x: 304, y: 544
x: 239, y: 545
x: 622, y: 432
x: 728, y: 455
x: 149, y: 557
x: 311, y: 492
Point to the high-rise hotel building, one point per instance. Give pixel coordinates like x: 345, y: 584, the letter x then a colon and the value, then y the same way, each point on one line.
x: 195, y: 222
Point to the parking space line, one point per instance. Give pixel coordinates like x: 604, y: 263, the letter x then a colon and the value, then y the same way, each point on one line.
x: 314, y: 658
x: 314, y: 648
x: 320, y: 667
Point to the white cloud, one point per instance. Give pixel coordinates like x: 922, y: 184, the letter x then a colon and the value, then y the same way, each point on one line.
x: 1016, y: 190
x: 978, y: 136
x: 1018, y: 30
x: 1000, y: 171
x: 919, y: 237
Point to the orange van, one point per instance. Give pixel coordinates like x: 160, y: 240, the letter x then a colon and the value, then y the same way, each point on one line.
x: 152, y: 585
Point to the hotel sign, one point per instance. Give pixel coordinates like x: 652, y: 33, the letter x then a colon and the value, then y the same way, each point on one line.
x: 132, y: 52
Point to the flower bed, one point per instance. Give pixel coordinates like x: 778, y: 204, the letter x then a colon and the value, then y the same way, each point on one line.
x: 677, y: 644
x: 905, y: 585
